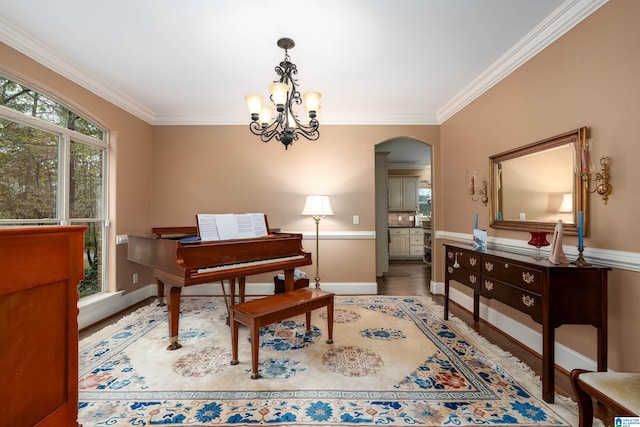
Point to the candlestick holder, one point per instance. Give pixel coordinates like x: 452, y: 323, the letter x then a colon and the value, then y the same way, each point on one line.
x: 581, y: 262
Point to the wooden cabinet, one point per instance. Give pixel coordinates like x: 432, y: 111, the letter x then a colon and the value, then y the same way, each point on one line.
x: 553, y: 295
x: 40, y: 269
x: 405, y: 243
x: 403, y: 193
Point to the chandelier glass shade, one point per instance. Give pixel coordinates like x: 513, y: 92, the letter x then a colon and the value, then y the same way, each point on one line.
x: 286, y: 126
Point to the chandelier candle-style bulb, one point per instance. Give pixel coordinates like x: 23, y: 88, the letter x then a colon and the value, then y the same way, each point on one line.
x: 286, y: 126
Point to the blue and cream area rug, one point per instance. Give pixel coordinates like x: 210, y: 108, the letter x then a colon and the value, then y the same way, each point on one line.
x: 393, y: 362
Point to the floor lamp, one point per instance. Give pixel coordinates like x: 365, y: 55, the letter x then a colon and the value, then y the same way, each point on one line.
x: 318, y: 207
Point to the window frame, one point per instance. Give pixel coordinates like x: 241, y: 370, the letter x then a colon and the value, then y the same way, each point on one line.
x: 66, y: 136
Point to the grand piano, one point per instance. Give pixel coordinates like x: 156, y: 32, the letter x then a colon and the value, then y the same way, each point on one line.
x: 177, y: 262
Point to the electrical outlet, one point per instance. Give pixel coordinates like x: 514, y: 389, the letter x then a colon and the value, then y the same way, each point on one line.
x: 356, y: 219
x: 135, y: 278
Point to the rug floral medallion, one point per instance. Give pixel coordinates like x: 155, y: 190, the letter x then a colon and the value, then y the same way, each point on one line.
x: 393, y: 362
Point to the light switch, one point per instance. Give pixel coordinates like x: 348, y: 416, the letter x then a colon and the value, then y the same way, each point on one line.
x: 356, y: 219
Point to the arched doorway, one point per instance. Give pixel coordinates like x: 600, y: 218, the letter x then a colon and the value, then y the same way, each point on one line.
x: 407, y: 158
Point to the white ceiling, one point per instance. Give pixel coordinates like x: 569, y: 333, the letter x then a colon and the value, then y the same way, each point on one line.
x: 374, y: 61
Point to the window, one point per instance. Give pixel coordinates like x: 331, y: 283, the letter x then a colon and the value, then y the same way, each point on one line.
x: 424, y: 203
x: 53, y: 168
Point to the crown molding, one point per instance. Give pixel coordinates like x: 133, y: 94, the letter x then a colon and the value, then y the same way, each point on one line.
x: 565, y: 17
x: 325, y: 119
x: 38, y: 51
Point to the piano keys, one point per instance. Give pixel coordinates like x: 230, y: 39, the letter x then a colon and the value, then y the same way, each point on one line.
x: 176, y: 264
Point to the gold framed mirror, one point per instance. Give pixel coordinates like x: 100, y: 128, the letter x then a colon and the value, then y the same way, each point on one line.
x: 534, y: 186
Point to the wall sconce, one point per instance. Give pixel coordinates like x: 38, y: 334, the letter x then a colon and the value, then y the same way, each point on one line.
x: 477, y: 193
x: 588, y: 171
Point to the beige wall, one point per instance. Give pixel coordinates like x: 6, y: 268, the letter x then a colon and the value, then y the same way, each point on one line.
x: 231, y: 170
x: 589, y: 77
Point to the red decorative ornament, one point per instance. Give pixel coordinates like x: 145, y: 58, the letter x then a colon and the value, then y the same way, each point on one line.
x: 538, y: 239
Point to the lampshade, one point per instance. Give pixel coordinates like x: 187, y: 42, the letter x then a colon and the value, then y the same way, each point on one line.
x: 265, y: 114
x: 311, y: 101
x: 254, y: 103
x: 279, y: 93
x: 317, y: 206
x: 567, y: 203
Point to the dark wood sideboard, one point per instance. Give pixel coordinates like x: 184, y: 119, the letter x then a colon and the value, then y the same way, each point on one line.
x: 40, y: 269
x: 553, y: 295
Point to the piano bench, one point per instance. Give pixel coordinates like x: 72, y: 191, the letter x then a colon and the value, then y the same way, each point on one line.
x: 275, y: 308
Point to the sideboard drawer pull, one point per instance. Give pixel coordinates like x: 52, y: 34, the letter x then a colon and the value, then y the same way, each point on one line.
x: 488, y: 265
x: 473, y: 278
x: 488, y: 284
x: 450, y: 269
x: 450, y: 255
x: 473, y: 262
x: 528, y: 300
x: 527, y: 277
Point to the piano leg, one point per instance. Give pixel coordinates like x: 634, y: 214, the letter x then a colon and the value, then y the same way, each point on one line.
x: 232, y: 291
x: 174, y: 317
x: 288, y: 280
x: 160, y: 287
x: 241, y: 288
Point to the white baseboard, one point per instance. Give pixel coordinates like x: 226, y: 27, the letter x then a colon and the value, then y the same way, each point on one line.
x: 98, y: 307
x: 565, y: 357
x: 339, y: 288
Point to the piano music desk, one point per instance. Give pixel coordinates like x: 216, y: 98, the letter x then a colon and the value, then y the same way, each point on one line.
x: 275, y: 308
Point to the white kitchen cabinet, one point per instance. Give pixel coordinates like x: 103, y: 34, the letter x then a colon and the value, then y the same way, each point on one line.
x: 398, y: 242
x: 405, y: 243
x: 403, y: 193
x: 416, y: 243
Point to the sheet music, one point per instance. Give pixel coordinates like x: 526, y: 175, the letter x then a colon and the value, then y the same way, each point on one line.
x: 207, y: 227
x: 259, y: 224
x: 231, y: 226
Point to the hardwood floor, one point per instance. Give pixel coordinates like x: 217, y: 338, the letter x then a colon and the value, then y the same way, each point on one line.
x: 417, y: 284
x: 412, y: 278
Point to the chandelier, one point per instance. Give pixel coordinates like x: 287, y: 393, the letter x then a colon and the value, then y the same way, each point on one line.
x: 286, y: 127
